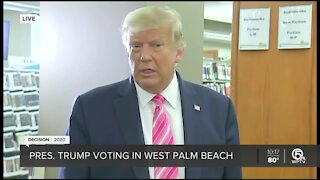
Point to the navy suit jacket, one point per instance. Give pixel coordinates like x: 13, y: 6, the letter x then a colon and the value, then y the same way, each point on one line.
x: 110, y: 115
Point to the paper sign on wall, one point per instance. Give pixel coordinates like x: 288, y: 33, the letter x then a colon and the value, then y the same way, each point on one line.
x: 254, y: 29
x: 295, y: 27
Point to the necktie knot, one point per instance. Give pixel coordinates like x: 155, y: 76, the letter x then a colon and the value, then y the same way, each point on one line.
x: 158, y: 99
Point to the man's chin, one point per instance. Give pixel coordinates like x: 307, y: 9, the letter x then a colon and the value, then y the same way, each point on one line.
x: 149, y: 85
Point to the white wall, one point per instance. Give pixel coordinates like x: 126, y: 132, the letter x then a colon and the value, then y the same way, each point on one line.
x: 81, y: 49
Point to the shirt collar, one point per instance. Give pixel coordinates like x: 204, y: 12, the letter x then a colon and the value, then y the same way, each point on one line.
x: 170, y: 93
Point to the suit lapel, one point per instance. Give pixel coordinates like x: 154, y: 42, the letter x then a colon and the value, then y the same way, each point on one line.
x: 190, y: 116
x: 127, y: 112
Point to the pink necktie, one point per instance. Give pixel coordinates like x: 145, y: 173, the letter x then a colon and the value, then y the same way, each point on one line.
x: 162, y: 134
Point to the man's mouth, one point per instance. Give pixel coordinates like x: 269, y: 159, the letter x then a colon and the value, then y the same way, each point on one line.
x: 147, y: 71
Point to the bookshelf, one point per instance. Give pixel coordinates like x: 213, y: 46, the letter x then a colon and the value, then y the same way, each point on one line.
x: 20, y: 118
x: 217, y: 74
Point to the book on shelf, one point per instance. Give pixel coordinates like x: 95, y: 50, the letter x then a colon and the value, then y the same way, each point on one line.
x: 8, y: 164
x: 24, y: 121
x: 14, y: 81
x: 214, y: 71
x: 221, y: 72
x: 5, y: 82
x: 36, y: 76
x: 32, y: 100
x: 228, y: 72
x: 9, y: 143
x: 9, y: 121
x: 28, y: 81
x: 18, y: 101
x: 227, y: 88
x: 222, y: 89
x: 7, y: 101
x: 207, y: 73
x: 204, y: 75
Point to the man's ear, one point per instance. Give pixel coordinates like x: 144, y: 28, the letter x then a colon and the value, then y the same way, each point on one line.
x: 180, y: 52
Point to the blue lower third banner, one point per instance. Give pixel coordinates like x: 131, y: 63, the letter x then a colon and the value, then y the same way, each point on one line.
x: 170, y: 155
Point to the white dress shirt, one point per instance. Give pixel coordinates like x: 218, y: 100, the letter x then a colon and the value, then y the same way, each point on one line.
x: 172, y: 106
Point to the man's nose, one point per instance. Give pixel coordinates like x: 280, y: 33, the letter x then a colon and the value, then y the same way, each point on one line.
x: 145, y: 53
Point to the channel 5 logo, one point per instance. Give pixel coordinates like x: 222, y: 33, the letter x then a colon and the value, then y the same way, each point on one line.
x: 297, y: 156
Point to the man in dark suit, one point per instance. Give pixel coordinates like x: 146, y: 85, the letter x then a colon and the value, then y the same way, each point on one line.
x: 126, y: 112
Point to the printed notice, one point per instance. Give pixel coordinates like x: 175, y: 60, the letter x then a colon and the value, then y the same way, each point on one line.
x: 254, y: 29
x: 295, y: 27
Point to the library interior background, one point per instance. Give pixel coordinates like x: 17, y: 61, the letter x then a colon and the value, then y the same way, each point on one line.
x: 272, y: 86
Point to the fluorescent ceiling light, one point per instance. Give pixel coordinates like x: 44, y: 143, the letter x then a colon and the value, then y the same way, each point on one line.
x: 12, y: 8
x: 212, y: 35
x: 21, y: 5
x: 35, y: 12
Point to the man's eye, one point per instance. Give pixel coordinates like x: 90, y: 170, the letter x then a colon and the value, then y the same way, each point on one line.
x: 135, y: 46
x: 157, y: 45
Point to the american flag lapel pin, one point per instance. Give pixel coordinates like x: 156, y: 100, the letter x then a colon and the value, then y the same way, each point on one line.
x: 196, y: 107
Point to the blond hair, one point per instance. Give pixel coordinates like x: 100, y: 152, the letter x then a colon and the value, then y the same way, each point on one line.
x: 152, y: 17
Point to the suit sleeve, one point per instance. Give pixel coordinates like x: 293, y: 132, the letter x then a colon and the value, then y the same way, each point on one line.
x: 77, y: 130
x: 232, y: 135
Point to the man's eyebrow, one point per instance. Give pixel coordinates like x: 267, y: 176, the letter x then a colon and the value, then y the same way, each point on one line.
x: 152, y: 41
x: 157, y: 40
x: 134, y: 42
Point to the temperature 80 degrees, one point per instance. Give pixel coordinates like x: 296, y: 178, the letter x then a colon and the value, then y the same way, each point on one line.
x: 273, y: 160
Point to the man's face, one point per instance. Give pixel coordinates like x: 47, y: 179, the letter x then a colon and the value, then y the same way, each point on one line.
x: 153, y: 56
